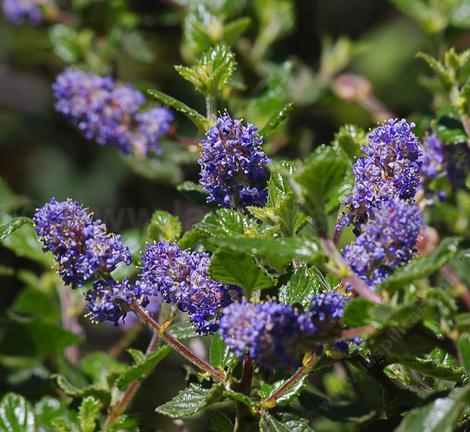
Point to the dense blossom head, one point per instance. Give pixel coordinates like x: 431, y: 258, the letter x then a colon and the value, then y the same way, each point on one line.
x: 181, y: 278
x: 80, y: 244
x: 109, y: 112
x: 105, y: 300
x: 387, y: 241
x: 19, y: 11
x: 233, y: 164
x: 270, y: 333
x: 327, y: 306
x: 389, y: 169
x: 434, y: 158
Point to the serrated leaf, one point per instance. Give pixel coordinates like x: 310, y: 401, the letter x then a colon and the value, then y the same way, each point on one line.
x: 289, y: 395
x: 350, y: 140
x: 433, y: 368
x: 190, y: 401
x: 143, y: 368
x: 200, y: 121
x: 275, y: 252
x: 64, y: 40
x: 227, y: 223
x: 88, y: 414
x: 304, y: 283
x: 442, y: 72
x: 318, y: 180
x: 16, y: 414
x: 220, y: 422
x: 269, y: 424
x: 212, y: 72
x: 80, y: 392
x: 276, y: 119
x: 464, y: 350
x: 441, y: 415
x: 448, y: 126
x: 219, y: 354
x: 239, y: 269
x: 356, y: 312
x: 164, y: 227
x: 425, y: 266
x: 182, y: 331
x: 7, y: 229
x: 239, y: 397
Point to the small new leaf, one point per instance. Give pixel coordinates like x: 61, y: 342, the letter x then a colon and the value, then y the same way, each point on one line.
x: 16, y: 414
x: 88, y: 414
x: 164, y: 227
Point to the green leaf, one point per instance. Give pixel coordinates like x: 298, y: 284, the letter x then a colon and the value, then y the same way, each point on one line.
x: 227, y: 223
x: 81, y: 392
x: 190, y: 401
x: 275, y: 252
x: 318, y: 180
x: 441, y: 415
x: 220, y: 422
x: 269, y: 424
x: 431, y: 18
x: 304, y: 283
x: 36, y: 304
x: 200, y: 121
x: 142, y: 369
x: 11, y: 226
x: 350, y: 139
x: 46, y: 410
x: 219, y: 353
x: 239, y: 269
x: 448, y: 126
x: 425, y: 266
x: 464, y: 350
x: 288, y: 396
x: 16, y: 414
x: 182, y: 331
x: 356, y: 312
x: 212, y: 72
x: 64, y: 40
x: 135, y: 45
x: 63, y: 424
x: 433, y: 368
x: 276, y: 119
x: 99, y: 366
x: 195, y: 192
x: 238, y: 397
x: 88, y: 414
x: 9, y: 201
x: 164, y: 227
x: 234, y: 29
x: 441, y: 71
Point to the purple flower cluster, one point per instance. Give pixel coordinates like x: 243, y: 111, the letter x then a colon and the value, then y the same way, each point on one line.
x: 110, y: 113
x: 327, y: 306
x: 389, y: 170
x: 233, y: 164
x: 18, y: 11
x: 386, y: 242
x: 434, y: 158
x: 181, y: 278
x: 381, y: 206
x: 270, y: 333
x: 81, y: 245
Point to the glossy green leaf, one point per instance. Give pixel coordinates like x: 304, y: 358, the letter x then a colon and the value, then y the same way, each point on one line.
x: 81, y: 392
x: 193, y: 191
x: 16, y: 414
x: 269, y: 424
x: 239, y: 269
x: 227, y: 222
x: 164, y: 227
x: 88, y: 414
x: 65, y: 43
x: 200, y: 121
x: 464, y: 350
x: 350, y: 139
x: 304, y: 283
x: 219, y: 353
x: 441, y: 415
x: 190, y: 401
x: 289, y: 395
x: 433, y: 368
x: 220, y: 422
x: 12, y: 225
x: 276, y: 119
x: 182, y: 331
x: 142, y: 369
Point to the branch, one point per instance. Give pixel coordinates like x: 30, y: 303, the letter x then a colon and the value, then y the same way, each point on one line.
x: 182, y: 349
x: 271, y: 401
x: 128, y: 396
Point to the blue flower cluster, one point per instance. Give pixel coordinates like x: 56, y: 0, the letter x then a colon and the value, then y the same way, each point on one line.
x: 181, y: 278
x: 270, y: 332
x: 434, y: 158
x: 18, y: 11
x: 81, y: 245
x: 233, y: 164
x: 381, y: 207
x: 389, y: 170
x: 274, y: 334
x: 110, y: 113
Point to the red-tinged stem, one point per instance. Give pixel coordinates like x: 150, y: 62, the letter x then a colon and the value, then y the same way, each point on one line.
x: 356, y: 331
x: 244, y: 417
x: 271, y: 401
x: 116, y: 411
x: 183, y: 350
x: 357, y: 284
x: 454, y: 280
